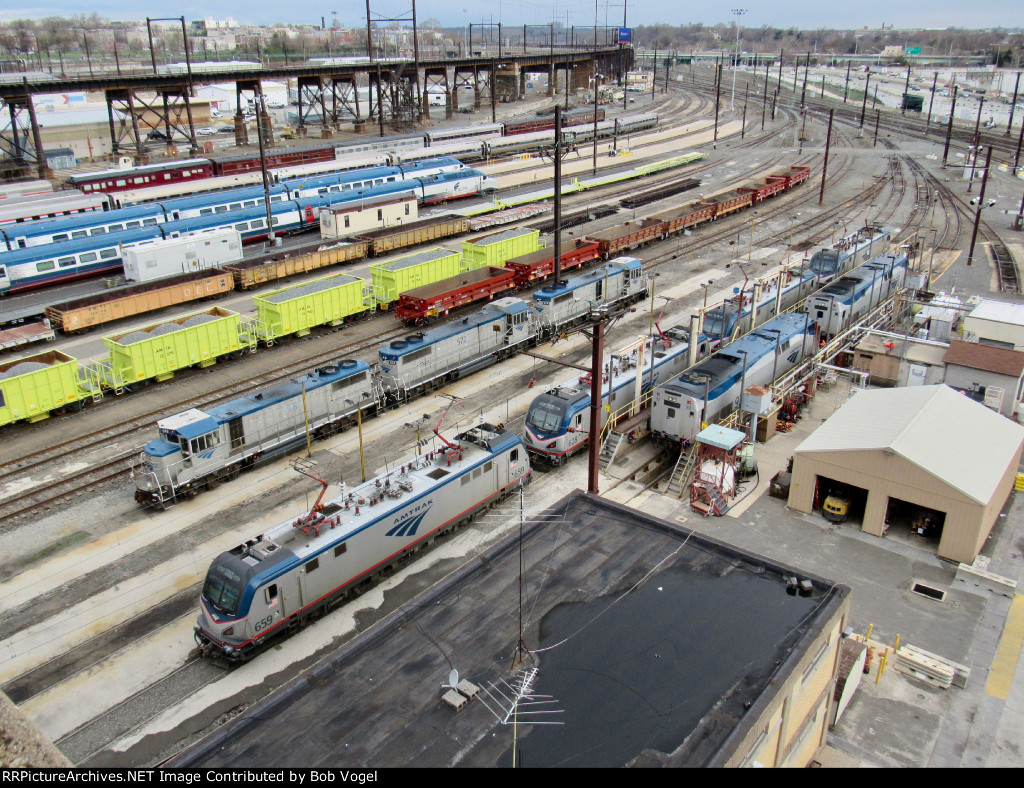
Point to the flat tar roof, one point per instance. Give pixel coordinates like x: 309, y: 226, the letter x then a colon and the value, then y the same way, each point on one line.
x: 656, y: 646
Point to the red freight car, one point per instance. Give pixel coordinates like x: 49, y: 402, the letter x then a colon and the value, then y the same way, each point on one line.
x: 627, y: 236
x: 422, y: 304
x: 729, y: 202
x: 797, y: 174
x: 761, y: 192
x: 689, y: 215
x: 540, y: 265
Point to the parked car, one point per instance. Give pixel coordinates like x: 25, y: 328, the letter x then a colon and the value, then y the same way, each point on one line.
x: 226, y: 130
x: 205, y: 131
x: 156, y: 134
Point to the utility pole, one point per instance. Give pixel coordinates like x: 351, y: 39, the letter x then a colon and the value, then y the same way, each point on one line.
x: 718, y: 93
x: 981, y: 204
x: 864, y: 104
x: 824, y: 169
x: 764, y: 99
x: 558, y: 195
x: 906, y: 90
x: 737, y: 12
x: 596, y: 369
x: 1013, y: 104
x: 807, y: 70
x: 928, y: 123
x: 949, y: 128
x: 595, y: 88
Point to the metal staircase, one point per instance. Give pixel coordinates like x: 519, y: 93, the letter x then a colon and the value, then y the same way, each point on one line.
x: 609, y: 448
x: 681, y: 472
x: 719, y: 505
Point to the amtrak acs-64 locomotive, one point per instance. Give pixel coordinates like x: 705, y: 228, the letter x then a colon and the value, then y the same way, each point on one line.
x: 303, y: 566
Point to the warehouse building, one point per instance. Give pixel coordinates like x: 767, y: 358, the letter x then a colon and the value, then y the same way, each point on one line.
x: 920, y: 458
x: 652, y: 646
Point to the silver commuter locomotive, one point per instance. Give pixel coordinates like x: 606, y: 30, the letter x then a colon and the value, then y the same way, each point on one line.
x: 712, y: 388
x: 302, y: 566
x: 558, y: 421
x: 198, y: 449
x: 618, y: 282
x: 835, y: 307
x: 432, y: 358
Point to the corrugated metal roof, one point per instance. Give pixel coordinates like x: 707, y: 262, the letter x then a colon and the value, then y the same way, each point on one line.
x: 946, y: 434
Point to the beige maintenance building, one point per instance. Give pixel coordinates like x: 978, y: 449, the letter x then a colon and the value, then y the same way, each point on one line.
x: 924, y: 446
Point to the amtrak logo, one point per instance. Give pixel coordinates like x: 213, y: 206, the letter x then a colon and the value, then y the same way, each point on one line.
x: 407, y: 523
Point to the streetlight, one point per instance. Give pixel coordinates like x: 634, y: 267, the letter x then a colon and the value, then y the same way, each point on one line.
x: 789, y: 249
x: 704, y: 309
x: 738, y: 12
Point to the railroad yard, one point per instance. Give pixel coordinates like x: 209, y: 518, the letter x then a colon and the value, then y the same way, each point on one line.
x: 100, y: 594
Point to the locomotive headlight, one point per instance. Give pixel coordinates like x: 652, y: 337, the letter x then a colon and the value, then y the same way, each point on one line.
x: 229, y: 631
x: 551, y: 445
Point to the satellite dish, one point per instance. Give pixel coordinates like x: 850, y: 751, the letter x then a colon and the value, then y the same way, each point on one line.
x: 453, y: 678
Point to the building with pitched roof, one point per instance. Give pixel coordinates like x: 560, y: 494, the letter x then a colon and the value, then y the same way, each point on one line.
x: 985, y: 373
x: 911, y: 455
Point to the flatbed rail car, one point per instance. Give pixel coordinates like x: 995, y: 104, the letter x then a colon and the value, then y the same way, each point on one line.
x: 252, y: 273
x: 19, y: 336
x: 539, y: 265
x: 423, y: 304
x: 81, y: 314
x: 626, y: 236
x: 660, y: 193
x: 388, y: 239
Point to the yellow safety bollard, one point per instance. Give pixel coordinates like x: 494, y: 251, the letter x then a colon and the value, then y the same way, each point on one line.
x: 897, y: 646
x: 871, y: 628
x: 881, y: 666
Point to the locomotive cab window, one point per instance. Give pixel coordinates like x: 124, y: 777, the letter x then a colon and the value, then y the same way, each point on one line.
x: 270, y: 594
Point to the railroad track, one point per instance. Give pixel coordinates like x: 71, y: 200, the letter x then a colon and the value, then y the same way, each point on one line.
x: 31, y: 496
x: 86, y: 743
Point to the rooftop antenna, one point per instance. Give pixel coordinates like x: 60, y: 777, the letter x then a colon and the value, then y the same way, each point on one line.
x: 521, y: 647
x: 515, y: 699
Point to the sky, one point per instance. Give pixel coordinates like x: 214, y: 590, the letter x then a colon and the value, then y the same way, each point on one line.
x: 804, y: 14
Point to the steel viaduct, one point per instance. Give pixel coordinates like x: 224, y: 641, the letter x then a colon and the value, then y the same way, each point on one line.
x: 328, y: 95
